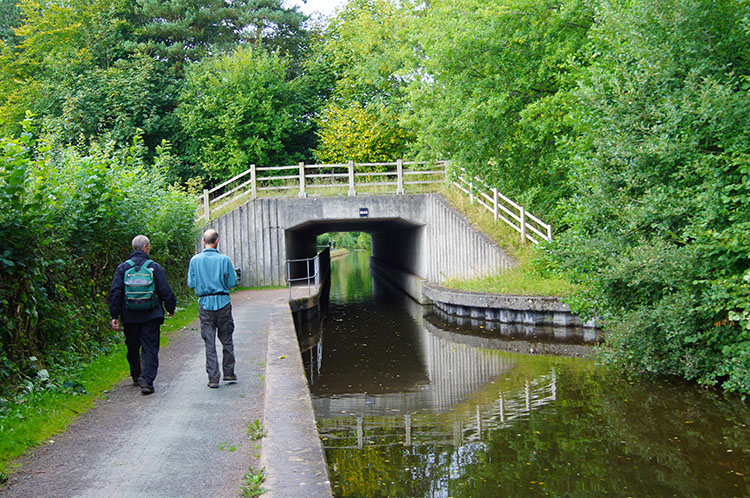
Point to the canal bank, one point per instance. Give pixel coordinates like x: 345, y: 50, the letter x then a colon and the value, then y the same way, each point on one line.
x: 292, y: 454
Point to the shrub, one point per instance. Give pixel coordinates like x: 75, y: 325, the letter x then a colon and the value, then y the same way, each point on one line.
x: 66, y: 221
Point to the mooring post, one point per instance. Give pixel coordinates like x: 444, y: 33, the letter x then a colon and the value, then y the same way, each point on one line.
x: 206, y: 206
x: 351, y: 179
x: 302, y: 192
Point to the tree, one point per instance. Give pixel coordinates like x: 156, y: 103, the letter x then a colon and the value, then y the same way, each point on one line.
x: 359, y: 135
x: 187, y: 30
x: 10, y: 17
x: 238, y: 109
x: 488, y: 90
x: 363, y: 46
x: 659, y: 231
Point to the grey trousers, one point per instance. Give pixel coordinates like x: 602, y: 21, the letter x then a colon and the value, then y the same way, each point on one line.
x: 218, y: 323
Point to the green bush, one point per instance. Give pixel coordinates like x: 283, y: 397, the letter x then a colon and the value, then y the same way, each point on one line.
x: 659, y: 232
x: 66, y: 221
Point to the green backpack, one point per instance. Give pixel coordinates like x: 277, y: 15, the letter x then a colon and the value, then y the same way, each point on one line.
x: 140, y: 290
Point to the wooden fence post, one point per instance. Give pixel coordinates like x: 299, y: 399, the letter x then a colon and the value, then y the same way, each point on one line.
x: 400, y: 176
x: 253, y: 186
x: 494, y: 203
x: 206, y: 206
x: 471, y: 192
x: 302, y: 192
x: 351, y: 179
x: 523, y: 225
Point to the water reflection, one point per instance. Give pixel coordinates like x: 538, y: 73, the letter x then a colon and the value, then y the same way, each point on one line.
x: 408, y: 408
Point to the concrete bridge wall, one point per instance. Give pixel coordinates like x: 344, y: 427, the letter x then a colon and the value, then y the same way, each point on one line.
x: 420, y: 234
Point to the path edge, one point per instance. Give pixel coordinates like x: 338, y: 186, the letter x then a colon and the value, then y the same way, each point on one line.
x: 292, y: 453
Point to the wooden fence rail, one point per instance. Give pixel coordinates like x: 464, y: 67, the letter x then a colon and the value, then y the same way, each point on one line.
x: 351, y: 177
x: 526, y: 224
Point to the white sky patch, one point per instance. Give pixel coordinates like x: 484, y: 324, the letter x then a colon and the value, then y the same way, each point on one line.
x: 326, y: 7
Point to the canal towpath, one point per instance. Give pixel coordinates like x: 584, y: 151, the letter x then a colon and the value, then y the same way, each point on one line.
x: 188, y: 440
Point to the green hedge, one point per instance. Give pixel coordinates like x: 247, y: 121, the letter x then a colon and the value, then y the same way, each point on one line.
x: 66, y: 221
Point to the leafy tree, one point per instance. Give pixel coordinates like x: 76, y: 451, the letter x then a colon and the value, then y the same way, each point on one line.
x: 239, y: 109
x: 363, y: 47
x: 9, y: 19
x: 359, y: 135
x: 187, y: 30
x: 488, y: 90
x: 659, y: 229
x: 58, y: 44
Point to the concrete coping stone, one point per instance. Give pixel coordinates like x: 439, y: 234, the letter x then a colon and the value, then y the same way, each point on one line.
x: 494, y: 301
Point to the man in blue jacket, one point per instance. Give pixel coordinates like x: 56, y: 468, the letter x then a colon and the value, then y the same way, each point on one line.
x: 141, y: 325
x: 212, y: 274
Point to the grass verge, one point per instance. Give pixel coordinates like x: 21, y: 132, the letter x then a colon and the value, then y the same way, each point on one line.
x: 43, y: 413
x: 518, y: 281
x: 525, y: 279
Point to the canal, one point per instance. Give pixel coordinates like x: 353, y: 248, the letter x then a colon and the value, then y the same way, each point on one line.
x: 409, y: 404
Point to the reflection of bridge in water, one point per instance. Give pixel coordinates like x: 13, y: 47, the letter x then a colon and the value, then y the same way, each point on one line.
x: 359, y: 430
x: 440, y: 410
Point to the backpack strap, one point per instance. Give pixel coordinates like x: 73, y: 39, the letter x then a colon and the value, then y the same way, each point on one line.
x: 145, y: 264
x: 130, y: 262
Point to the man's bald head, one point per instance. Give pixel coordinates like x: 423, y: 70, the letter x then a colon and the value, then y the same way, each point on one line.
x: 211, y: 237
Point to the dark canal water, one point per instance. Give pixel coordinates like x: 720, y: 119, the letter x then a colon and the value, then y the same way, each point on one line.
x: 411, y: 406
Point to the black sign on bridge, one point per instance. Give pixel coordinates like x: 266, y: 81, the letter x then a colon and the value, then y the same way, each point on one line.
x: 364, y: 212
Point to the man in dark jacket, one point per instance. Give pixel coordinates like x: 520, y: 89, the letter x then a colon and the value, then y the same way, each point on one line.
x: 141, y: 326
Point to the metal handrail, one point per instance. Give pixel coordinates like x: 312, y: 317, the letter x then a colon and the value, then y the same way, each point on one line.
x: 315, y: 276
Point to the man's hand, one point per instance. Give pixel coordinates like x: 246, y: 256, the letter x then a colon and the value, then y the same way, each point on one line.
x: 115, y: 324
x: 170, y: 315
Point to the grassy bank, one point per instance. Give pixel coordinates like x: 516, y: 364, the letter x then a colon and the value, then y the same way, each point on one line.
x: 41, y: 414
x: 526, y: 278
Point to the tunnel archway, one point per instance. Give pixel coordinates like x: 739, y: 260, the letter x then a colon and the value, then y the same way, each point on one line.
x: 395, y: 241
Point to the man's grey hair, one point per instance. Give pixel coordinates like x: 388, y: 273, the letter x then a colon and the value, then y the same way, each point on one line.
x: 210, y: 236
x: 140, y: 242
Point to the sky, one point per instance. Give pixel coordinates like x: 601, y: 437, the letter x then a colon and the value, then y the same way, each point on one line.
x: 325, y: 6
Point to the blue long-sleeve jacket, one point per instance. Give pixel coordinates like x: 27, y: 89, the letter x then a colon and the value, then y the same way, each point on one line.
x: 211, y: 274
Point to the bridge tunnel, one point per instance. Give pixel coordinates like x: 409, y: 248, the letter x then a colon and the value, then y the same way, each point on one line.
x: 395, y: 241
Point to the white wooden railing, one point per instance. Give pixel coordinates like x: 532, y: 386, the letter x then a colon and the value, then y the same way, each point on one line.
x: 529, y: 226
x: 306, y: 178
x: 351, y: 177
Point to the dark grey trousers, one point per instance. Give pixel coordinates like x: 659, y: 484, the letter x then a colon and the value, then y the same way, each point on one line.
x: 218, y: 323
x: 142, y: 341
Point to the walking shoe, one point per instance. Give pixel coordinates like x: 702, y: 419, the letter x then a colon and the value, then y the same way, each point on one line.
x: 230, y: 378
x: 147, y: 389
x: 213, y: 385
x: 135, y: 381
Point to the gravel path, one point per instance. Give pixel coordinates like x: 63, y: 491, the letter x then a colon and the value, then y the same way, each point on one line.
x: 185, y: 440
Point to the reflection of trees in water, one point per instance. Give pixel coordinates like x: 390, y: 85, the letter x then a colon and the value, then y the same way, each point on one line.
x: 350, y: 277
x: 419, y: 455
x: 548, y: 426
x: 595, y: 434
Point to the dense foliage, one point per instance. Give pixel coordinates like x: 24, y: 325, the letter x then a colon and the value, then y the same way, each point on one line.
x: 238, y: 110
x: 660, y: 161
x: 66, y: 221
